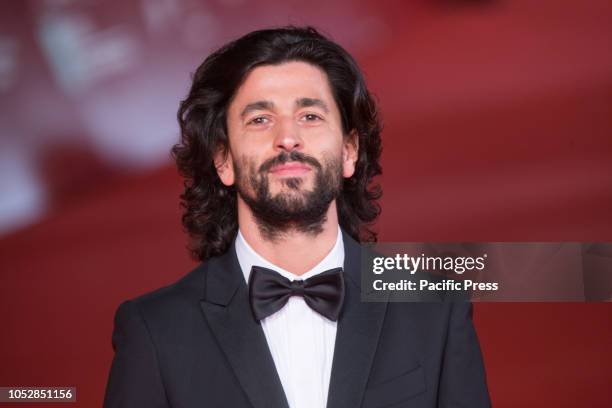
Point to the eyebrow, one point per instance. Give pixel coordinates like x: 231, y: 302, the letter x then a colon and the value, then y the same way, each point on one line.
x: 269, y: 105
x: 309, y: 102
x: 255, y: 106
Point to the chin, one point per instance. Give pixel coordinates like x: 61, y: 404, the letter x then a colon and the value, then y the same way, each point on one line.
x: 293, y: 184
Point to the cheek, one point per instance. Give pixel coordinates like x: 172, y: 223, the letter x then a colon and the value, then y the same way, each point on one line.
x: 326, y: 143
x: 251, y: 148
x: 246, y: 167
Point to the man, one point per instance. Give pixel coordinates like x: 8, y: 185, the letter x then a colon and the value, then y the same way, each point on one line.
x: 280, y: 142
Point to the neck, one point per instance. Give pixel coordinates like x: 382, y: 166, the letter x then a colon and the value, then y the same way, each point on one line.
x: 294, y: 251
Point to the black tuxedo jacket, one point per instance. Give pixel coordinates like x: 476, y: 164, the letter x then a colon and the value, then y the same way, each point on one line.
x: 195, y: 344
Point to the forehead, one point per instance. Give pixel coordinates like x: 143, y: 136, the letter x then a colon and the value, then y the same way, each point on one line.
x: 284, y: 82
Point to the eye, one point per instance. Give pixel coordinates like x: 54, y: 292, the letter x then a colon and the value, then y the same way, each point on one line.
x: 311, y: 117
x: 259, y: 120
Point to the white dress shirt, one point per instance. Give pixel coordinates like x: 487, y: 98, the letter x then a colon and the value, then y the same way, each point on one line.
x: 301, y: 341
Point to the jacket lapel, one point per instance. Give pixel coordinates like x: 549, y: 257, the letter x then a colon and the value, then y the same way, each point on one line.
x: 228, y: 313
x: 359, y: 327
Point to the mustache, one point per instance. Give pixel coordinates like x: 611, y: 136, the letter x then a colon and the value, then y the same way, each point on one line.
x: 286, y: 157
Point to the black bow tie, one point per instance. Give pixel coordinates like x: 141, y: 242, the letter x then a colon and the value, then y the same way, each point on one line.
x: 269, y: 292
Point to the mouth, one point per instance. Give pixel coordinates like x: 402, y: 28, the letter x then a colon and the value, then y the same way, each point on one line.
x: 292, y: 169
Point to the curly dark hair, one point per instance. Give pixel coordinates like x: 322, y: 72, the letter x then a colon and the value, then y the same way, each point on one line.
x: 210, y: 207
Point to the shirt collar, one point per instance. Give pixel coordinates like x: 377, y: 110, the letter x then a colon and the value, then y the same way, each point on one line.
x: 247, y: 257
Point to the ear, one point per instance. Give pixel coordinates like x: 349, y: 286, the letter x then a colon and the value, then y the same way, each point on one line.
x: 350, y: 153
x: 224, y: 165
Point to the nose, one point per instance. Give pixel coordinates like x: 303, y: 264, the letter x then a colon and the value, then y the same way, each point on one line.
x: 287, y: 136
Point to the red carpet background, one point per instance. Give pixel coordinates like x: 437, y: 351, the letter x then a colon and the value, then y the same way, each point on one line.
x: 498, y: 127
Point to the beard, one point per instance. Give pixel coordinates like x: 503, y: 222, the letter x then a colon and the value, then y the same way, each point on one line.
x: 292, y: 208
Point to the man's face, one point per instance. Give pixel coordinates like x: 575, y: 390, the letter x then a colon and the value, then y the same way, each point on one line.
x: 287, y: 153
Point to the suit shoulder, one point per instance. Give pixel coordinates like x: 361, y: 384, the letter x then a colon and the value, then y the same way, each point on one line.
x: 188, y: 289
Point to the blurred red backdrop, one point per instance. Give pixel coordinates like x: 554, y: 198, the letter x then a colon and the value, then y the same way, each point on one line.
x: 498, y: 127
